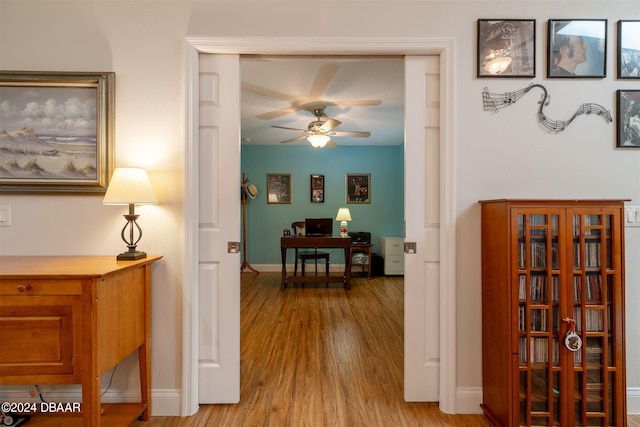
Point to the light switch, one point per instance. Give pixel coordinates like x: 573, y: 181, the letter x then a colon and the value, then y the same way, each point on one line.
x: 5, y: 216
x: 632, y: 216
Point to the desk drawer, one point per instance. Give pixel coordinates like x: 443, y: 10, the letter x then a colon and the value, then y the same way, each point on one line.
x: 40, y: 287
x: 393, y: 264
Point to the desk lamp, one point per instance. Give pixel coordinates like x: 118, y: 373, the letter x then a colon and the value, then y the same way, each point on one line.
x: 343, y: 216
x: 130, y: 186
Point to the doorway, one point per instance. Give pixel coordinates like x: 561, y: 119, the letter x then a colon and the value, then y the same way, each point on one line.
x: 416, y: 128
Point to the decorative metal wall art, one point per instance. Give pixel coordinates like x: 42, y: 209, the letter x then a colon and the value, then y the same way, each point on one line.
x: 494, y: 102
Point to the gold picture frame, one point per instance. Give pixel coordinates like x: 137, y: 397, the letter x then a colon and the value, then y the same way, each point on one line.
x: 56, y: 131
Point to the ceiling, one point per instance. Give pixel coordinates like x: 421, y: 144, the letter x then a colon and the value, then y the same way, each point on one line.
x: 364, y: 93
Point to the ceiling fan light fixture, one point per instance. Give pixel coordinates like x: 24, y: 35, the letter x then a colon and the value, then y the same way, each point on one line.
x: 318, y: 140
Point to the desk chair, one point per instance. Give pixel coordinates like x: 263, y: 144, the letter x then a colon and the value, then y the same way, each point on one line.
x: 304, y: 255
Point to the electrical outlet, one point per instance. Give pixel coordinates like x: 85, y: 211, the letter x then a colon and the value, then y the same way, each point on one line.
x: 5, y: 216
x: 632, y: 216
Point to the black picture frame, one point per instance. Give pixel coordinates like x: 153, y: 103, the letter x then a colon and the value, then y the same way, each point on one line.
x: 628, y: 62
x: 577, y: 48
x: 506, y: 48
x: 628, y: 118
x: 317, y: 189
x: 358, y: 188
x: 279, y: 188
x: 68, y: 147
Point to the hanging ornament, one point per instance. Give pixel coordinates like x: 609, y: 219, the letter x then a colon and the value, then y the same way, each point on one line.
x: 572, y: 340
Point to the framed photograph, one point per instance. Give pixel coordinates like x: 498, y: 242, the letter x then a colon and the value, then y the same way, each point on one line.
x: 279, y: 188
x: 628, y: 115
x: 629, y: 49
x: 317, y: 188
x: 56, y: 131
x: 577, y: 48
x: 358, y: 188
x: 506, y: 48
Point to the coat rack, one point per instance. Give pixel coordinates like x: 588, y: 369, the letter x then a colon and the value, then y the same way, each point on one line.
x: 251, y: 191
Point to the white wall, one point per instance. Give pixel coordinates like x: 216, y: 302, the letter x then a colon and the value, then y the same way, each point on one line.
x: 497, y: 155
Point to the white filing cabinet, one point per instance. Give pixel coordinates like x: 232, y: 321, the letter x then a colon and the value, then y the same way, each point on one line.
x: 392, y: 249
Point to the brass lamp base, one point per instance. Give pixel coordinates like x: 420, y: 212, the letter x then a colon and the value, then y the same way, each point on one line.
x: 129, y: 256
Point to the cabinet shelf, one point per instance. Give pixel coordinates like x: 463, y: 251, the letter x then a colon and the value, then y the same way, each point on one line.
x: 545, y: 261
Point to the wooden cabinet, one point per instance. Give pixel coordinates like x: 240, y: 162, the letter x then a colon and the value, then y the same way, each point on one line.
x: 392, y: 251
x: 68, y: 320
x: 553, y: 312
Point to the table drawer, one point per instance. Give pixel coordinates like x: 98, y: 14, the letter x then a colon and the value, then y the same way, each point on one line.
x: 40, y: 287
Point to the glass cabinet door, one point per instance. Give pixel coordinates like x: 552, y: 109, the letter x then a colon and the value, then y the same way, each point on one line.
x: 595, y: 278
x: 538, y: 314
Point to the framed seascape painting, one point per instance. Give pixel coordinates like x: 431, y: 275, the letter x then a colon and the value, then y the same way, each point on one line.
x: 629, y: 49
x: 358, y: 188
x: 278, y: 188
x: 56, y: 131
x: 577, y: 48
x: 506, y: 48
x: 628, y: 118
x: 317, y: 188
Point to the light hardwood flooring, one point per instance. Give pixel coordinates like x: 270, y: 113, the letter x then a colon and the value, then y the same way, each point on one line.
x: 321, y: 357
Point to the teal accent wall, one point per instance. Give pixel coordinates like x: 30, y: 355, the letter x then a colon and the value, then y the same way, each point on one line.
x: 384, y: 216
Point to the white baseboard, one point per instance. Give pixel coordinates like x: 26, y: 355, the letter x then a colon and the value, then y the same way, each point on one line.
x: 633, y: 400
x: 164, y: 402
x: 468, y: 400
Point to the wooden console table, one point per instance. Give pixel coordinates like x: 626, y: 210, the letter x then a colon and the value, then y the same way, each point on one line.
x: 71, y: 319
x: 312, y: 242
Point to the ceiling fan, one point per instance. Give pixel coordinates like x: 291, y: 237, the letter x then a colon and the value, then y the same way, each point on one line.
x: 320, y: 131
x: 310, y: 101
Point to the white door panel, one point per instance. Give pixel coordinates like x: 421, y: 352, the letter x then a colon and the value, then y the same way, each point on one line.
x: 422, y: 208
x: 218, y: 300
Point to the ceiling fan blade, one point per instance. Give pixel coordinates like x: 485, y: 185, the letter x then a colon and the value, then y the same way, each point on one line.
x: 284, y: 127
x: 329, y: 124
x: 331, y: 143
x: 297, y: 138
x: 324, y: 77
x: 277, y: 113
x: 259, y: 90
x: 352, y: 133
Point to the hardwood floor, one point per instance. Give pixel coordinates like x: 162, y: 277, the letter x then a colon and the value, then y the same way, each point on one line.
x: 322, y: 357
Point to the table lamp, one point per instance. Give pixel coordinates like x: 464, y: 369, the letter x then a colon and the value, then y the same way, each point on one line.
x: 130, y: 186
x: 343, y: 216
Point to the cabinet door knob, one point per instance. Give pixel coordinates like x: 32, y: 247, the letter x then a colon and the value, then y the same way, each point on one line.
x: 24, y: 287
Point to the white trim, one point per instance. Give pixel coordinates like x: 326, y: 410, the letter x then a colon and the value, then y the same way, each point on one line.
x: 633, y: 400
x: 189, y: 402
x: 468, y: 400
x: 319, y: 46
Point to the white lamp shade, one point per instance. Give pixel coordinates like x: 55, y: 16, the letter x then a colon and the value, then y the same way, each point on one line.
x: 129, y: 185
x: 343, y: 215
x: 318, y: 140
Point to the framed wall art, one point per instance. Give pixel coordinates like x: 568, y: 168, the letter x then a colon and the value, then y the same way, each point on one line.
x: 278, y: 188
x: 317, y: 188
x: 506, y: 48
x: 577, y: 48
x: 628, y: 118
x: 629, y: 49
x: 56, y: 131
x: 358, y: 188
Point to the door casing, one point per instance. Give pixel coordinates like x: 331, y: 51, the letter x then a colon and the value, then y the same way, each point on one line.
x: 322, y: 46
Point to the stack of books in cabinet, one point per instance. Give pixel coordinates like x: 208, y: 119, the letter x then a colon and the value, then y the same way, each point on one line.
x: 553, y: 312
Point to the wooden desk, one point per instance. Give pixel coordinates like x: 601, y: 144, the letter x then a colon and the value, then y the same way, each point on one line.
x: 312, y: 242
x: 70, y: 320
x: 362, y: 247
